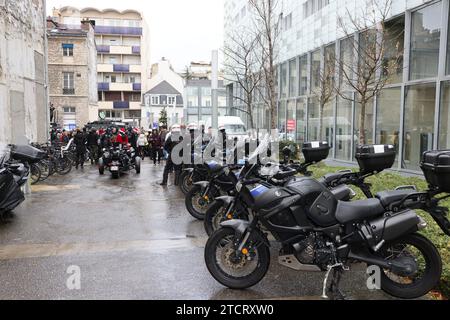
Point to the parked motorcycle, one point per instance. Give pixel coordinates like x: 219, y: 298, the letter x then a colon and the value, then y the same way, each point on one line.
x: 15, y: 168
x: 318, y: 232
x: 118, y: 160
x: 233, y: 207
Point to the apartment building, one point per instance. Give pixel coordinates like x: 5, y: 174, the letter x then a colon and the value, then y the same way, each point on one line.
x: 72, y: 66
x: 24, y: 111
x: 123, y: 67
x: 412, y: 112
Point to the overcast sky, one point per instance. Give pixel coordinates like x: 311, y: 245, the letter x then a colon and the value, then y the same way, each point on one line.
x: 180, y: 30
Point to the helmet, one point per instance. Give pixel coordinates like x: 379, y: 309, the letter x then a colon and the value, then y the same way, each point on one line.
x: 192, y: 127
x: 175, y: 128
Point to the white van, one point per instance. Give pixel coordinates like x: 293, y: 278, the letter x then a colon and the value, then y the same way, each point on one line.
x: 234, y: 127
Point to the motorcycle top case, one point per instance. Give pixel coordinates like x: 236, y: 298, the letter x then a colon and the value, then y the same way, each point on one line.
x: 10, y: 194
x: 27, y: 154
x: 436, y: 168
x: 375, y: 158
x: 315, y: 151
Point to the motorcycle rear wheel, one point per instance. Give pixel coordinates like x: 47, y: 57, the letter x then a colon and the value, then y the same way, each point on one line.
x: 428, y: 261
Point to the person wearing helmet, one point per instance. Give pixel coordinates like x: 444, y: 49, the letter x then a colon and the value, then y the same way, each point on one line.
x: 170, y: 143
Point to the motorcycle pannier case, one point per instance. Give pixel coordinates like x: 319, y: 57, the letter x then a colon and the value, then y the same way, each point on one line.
x: 436, y: 168
x: 315, y: 152
x: 27, y: 154
x: 375, y: 158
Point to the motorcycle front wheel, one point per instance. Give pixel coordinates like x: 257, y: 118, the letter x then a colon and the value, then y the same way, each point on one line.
x: 230, y: 270
x: 421, y: 252
x: 215, y: 215
x: 195, y: 204
x: 186, y: 182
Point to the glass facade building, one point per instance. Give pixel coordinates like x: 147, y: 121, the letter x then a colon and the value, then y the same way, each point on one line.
x: 411, y: 112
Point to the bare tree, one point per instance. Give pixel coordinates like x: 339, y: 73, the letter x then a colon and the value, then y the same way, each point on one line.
x: 324, y: 89
x: 242, y: 66
x: 267, y: 25
x: 372, y: 71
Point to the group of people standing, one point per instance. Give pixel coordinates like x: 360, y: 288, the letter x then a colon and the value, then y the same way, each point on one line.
x: 147, y: 143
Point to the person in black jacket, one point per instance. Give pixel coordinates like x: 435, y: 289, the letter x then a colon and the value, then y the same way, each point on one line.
x: 80, y: 142
x: 170, y: 143
x: 92, y: 143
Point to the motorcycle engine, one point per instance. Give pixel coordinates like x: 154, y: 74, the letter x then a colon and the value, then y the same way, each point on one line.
x: 314, y: 251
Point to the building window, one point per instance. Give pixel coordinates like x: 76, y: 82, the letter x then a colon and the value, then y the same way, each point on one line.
x: 313, y: 119
x: 287, y: 22
x: 388, y: 117
x: 293, y: 78
x: 112, y: 60
x: 171, y: 100
x: 303, y: 75
x: 206, y: 97
x: 419, y: 123
x: 111, y: 114
x: 368, y: 124
x: 192, y: 93
x: 155, y: 100
x: 344, y: 129
x: 69, y: 118
x: 315, y: 70
x: 444, y: 117
x: 425, y: 42
x: 67, y: 50
x: 393, y: 58
x: 284, y: 80
x: 346, y: 62
x: 68, y: 86
x: 301, y: 121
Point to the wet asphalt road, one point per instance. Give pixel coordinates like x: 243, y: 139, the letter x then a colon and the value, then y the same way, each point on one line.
x: 131, y: 239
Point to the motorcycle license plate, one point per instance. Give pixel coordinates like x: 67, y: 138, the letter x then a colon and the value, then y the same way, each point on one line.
x: 114, y: 168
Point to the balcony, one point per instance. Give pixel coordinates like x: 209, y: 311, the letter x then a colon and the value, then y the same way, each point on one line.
x: 136, y: 50
x: 103, y: 49
x: 121, y: 105
x: 67, y: 91
x: 121, y: 68
x: 137, y: 87
x: 110, y: 105
x: 103, y: 86
x: 118, y: 30
x: 118, y: 86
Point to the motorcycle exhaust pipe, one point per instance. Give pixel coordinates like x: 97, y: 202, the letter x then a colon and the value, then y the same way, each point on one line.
x: 370, y: 260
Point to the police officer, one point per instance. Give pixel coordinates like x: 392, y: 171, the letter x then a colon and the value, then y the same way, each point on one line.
x: 80, y: 143
x: 172, y: 140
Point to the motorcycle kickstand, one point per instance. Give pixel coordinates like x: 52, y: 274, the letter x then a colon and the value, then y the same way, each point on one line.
x: 334, y: 289
x: 336, y: 294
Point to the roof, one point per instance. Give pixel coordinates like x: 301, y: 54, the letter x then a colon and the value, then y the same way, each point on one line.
x: 102, y: 11
x: 163, y: 88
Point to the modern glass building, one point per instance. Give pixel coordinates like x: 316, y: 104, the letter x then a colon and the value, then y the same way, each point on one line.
x: 198, y: 101
x: 412, y: 111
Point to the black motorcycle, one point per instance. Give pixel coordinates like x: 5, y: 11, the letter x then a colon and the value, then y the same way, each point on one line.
x: 15, y: 170
x: 318, y: 232
x: 233, y: 207
x: 118, y: 160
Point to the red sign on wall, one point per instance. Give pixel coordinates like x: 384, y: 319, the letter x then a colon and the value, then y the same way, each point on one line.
x: 291, y: 125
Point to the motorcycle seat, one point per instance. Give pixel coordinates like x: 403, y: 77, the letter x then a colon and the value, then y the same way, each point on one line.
x: 347, y: 212
x: 327, y: 179
x: 389, y: 197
